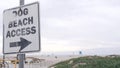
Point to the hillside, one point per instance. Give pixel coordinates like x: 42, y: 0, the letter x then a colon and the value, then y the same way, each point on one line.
x: 112, y: 61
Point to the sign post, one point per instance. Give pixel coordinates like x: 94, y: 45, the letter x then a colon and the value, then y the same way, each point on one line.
x: 21, y: 56
x: 21, y: 30
x: 22, y: 2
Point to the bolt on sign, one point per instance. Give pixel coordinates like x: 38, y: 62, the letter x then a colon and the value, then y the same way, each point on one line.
x: 21, y: 29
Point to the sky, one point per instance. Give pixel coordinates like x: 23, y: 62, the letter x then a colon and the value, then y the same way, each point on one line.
x: 74, y: 25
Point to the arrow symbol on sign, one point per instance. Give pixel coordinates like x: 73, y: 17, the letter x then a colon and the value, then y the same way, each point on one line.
x: 22, y: 43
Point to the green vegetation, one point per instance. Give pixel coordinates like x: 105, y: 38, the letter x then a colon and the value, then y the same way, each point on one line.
x: 90, y: 62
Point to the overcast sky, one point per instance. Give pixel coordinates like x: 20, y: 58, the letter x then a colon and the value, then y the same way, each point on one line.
x: 72, y: 25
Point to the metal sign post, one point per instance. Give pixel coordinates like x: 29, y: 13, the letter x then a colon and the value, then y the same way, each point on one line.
x: 21, y: 2
x: 21, y: 57
x: 21, y: 30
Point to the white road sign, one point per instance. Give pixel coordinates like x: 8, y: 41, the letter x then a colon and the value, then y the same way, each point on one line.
x: 21, y: 29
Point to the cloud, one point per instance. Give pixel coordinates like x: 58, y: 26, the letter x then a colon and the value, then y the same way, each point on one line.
x: 77, y: 24
x: 49, y: 45
x: 90, y: 20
